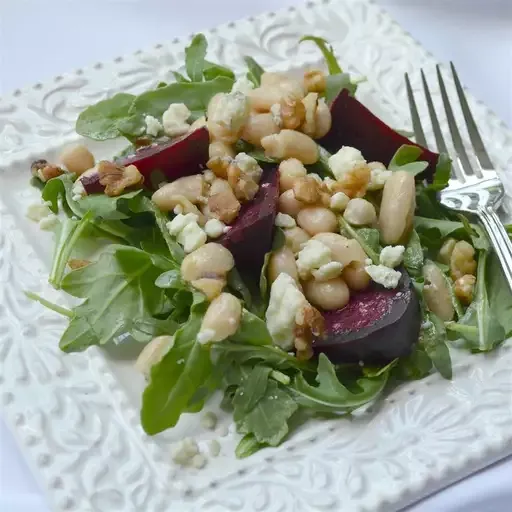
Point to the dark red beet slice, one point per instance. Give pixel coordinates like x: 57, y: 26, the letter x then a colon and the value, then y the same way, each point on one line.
x: 377, y: 325
x: 354, y: 125
x: 175, y: 159
x: 91, y: 182
x: 250, y: 237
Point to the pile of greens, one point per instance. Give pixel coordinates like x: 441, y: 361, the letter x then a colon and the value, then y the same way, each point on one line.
x: 133, y: 290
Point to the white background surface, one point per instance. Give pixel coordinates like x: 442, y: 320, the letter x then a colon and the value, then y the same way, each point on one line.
x: 40, y: 39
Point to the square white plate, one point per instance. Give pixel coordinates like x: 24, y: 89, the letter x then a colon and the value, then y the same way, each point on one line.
x: 76, y: 416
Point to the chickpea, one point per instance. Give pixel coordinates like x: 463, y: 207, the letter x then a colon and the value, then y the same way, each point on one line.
x: 262, y: 98
x: 289, y: 171
x: 191, y: 188
x: 288, y: 204
x: 445, y: 253
x: 327, y: 295
x: 397, y: 207
x: 209, y: 286
x: 291, y: 144
x: 211, y: 260
x: 356, y: 276
x: 221, y: 320
x: 219, y: 149
x: 464, y: 288
x: 314, y: 81
x: 77, y: 159
x: 437, y: 293
x: 316, y: 219
x: 295, y: 238
x: 360, y: 212
x: 281, y: 261
x: 259, y: 126
x: 323, y: 119
x: 153, y: 353
x: 344, y: 250
x: 462, y: 261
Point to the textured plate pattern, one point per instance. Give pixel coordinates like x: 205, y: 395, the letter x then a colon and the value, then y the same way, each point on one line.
x: 77, y: 420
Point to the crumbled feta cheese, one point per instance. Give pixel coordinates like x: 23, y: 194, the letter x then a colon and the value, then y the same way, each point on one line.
x: 198, y: 461
x: 311, y: 257
x: 384, y: 276
x: 48, y: 222
x: 176, y: 225
x: 214, y: 228
x: 191, y: 237
x: 339, y: 201
x: 153, y: 126
x: 178, y: 209
x: 214, y: 448
x: 368, y: 261
x: 346, y: 159
x: 231, y: 111
x: 285, y: 302
x: 209, y: 420
x: 392, y: 256
x: 175, y: 119
x: 205, y: 336
x: 78, y: 190
x: 249, y: 166
x: 277, y: 117
x: 38, y: 211
x: 184, y: 451
x: 328, y: 271
x: 378, y: 178
x: 243, y: 85
x: 209, y: 176
x: 283, y: 220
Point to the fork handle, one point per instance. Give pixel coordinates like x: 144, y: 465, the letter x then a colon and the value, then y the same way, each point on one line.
x: 499, y: 238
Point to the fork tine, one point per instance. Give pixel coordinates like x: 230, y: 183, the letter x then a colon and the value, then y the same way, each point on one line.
x: 452, y: 124
x: 416, y: 122
x: 474, y: 134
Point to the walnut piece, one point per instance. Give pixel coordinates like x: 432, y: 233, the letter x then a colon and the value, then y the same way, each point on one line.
x: 75, y: 264
x: 219, y: 166
x: 222, y: 202
x: 309, y: 323
x: 45, y: 171
x: 306, y: 190
x: 354, y: 182
x: 117, y: 179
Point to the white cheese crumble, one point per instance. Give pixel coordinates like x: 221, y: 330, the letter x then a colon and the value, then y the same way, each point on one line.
x: 384, y: 276
x: 277, y: 117
x: 368, y: 262
x: 339, y: 201
x: 205, y: 336
x: 38, y: 211
x: 283, y: 220
x: 209, y: 420
x: 243, y: 85
x: 176, y: 225
x: 209, y: 176
x: 214, y: 228
x: 192, y: 237
x: 48, y: 222
x: 153, y: 126
x: 328, y: 271
x: 175, y: 119
x: 346, y: 159
x: 178, y: 209
x: 392, y: 256
x: 231, y: 111
x: 312, y: 256
x: 78, y: 190
x: 378, y: 178
x: 248, y: 166
x: 286, y: 300
x: 184, y: 451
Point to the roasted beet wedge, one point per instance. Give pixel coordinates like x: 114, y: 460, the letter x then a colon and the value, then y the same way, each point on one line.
x: 377, y: 326
x: 250, y: 237
x: 354, y: 125
x: 175, y: 159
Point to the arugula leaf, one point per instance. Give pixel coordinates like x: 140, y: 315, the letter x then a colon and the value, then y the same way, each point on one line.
x: 248, y: 446
x: 253, y: 330
x: 251, y: 390
x: 195, y: 55
x: 334, y: 84
x: 212, y: 71
x: 119, y: 293
x: 442, y: 173
x: 368, y: 238
x: 331, y: 395
x: 177, y: 377
x: 178, y: 77
x: 254, y: 71
x: 417, y: 365
x: 413, y: 255
x: 170, y: 280
x: 328, y: 53
x: 405, y: 159
x: 195, y: 95
x: 101, y: 121
x: 278, y: 242
x: 242, y: 146
x: 432, y: 340
x: 500, y: 297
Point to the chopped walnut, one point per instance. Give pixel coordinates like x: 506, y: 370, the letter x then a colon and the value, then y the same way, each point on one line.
x: 309, y: 323
x: 222, y: 202
x: 142, y: 142
x: 244, y: 174
x: 219, y: 166
x: 75, y: 264
x: 116, y: 179
x: 306, y: 190
x: 292, y: 112
x: 464, y: 288
x: 354, y: 182
x: 314, y: 81
x: 45, y: 171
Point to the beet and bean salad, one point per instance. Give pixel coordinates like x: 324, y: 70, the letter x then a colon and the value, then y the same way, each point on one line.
x: 267, y: 236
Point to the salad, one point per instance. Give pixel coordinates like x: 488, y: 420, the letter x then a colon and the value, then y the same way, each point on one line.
x: 268, y: 237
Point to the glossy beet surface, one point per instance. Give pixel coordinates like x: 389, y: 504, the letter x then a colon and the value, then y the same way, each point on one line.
x: 354, y: 125
x: 250, y: 237
x: 377, y: 326
x: 175, y: 159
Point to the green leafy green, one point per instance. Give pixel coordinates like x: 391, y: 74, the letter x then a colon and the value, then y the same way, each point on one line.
x: 405, y: 159
x: 212, y: 71
x: 195, y: 55
x: 328, y: 53
x: 413, y: 255
x: 278, y: 242
x: 253, y: 330
x: 417, y: 365
x: 433, y: 341
x: 442, y: 173
x: 500, y: 297
x: 251, y: 390
x: 334, y: 84
x: 101, y: 121
x: 242, y: 146
x: 248, y: 446
x: 178, y: 77
x: 368, y: 238
x: 254, y: 71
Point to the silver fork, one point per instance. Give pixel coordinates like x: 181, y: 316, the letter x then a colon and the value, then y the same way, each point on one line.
x: 474, y: 189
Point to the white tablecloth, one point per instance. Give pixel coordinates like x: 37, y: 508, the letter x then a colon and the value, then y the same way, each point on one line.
x: 40, y: 39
